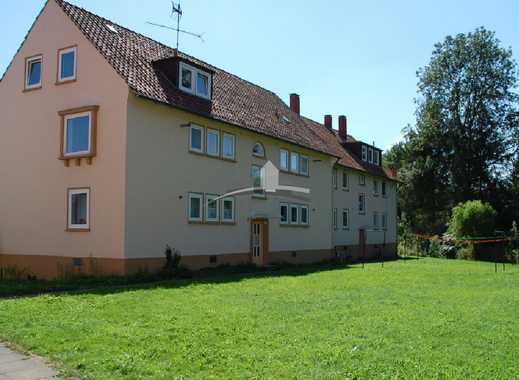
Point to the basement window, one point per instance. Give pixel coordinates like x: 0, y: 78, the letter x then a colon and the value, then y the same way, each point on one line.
x: 194, y: 81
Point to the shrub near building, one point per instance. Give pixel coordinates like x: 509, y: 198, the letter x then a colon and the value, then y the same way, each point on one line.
x: 472, y: 219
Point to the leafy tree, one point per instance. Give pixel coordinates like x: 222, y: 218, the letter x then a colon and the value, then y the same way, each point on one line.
x: 472, y: 219
x: 463, y: 143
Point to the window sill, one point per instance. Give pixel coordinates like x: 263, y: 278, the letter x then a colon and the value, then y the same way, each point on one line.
x: 30, y: 89
x: 294, y: 173
x: 66, y: 159
x: 206, y: 223
x: 65, y: 81
x: 294, y: 225
x: 214, y: 157
x: 77, y: 230
x: 345, y: 228
x: 345, y: 189
x: 362, y: 212
x: 376, y: 195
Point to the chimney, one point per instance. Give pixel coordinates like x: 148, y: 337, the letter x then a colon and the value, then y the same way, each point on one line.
x: 328, y: 121
x: 294, y: 103
x: 343, y: 127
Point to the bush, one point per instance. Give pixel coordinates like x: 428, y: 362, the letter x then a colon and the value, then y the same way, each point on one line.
x: 466, y: 251
x: 472, y: 219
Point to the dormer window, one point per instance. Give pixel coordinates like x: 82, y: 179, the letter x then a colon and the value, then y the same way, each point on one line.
x: 364, y: 153
x: 376, y: 157
x: 194, y: 81
x: 370, y: 155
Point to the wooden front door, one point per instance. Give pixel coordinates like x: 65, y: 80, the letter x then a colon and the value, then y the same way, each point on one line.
x: 362, y: 243
x: 259, y: 241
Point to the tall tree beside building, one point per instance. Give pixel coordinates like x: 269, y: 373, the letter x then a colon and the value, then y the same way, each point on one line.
x: 463, y: 144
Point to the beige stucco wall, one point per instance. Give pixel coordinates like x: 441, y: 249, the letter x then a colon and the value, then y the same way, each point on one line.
x: 161, y: 172
x: 374, y: 203
x: 33, y: 182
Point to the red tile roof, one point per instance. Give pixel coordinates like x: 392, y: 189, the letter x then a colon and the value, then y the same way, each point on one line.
x: 234, y: 100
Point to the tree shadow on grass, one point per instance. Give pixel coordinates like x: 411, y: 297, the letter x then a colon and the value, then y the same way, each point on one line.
x: 212, y: 276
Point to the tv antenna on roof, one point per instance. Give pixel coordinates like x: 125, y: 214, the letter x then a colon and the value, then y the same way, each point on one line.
x: 176, y: 9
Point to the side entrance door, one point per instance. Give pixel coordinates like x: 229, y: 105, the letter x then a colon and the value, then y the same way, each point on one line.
x: 259, y: 241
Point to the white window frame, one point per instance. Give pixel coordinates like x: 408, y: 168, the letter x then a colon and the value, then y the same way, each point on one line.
x: 66, y: 118
x: 287, y: 162
x: 287, y: 206
x: 60, y: 54
x: 307, y: 172
x: 28, y: 62
x: 364, y: 153
x: 233, y: 139
x: 200, y: 197
x: 384, y: 189
x: 71, y: 226
x: 209, y: 198
x: 362, y: 180
x: 345, y: 175
x: 370, y: 155
x: 376, y: 157
x: 334, y: 219
x: 345, y: 226
x: 296, y: 156
x: 260, y: 155
x: 304, y: 207
x: 218, y: 142
x: 258, y: 194
x: 376, y: 190
x: 362, y: 211
x: 194, y: 78
x: 334, y: 178
x: 233, y: 219
x: 375, y: 220
x: 293, y: 207
x: 202, y: 138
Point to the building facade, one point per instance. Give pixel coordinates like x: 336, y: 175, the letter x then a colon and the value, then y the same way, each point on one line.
x: 113, y: 146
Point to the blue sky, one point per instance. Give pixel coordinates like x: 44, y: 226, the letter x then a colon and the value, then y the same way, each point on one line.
x: 357, y: 58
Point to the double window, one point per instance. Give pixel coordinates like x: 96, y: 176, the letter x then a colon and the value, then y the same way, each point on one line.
x: 33, y: 69
x: 294, y: 214
x: 209, y: 143
x: 222, y: 210
x: 78, y: 131
x: 294, y: 162
x: 362, y: 203
x: 78, y: 215
x: 194, y: 81
x: 67, y: 64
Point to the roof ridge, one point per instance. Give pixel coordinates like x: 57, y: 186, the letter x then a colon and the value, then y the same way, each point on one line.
x: 168, y: 47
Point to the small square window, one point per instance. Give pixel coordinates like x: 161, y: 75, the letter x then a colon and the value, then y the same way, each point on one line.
x: 213, y: 142
x: 304, y: 215
x: 196, y: 139
x: 345, y: 219
x: 229, y: 146
x: 211, y: 208
x: 228, y: 210
x: 305, y: 163
x: 78, y: 209
x: 283, y: 213
x: 294, y: 214
x: 67, y: 64
x: 195, y: 202
x: 283, y: 159
x: 33, y: 68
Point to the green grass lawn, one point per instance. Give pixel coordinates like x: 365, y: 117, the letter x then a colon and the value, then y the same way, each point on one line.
x: 426, y: 318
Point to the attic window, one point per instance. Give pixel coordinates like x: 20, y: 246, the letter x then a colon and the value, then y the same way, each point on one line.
x: 285, y: 119
x: 112, y: 28
x: 194, y: 81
